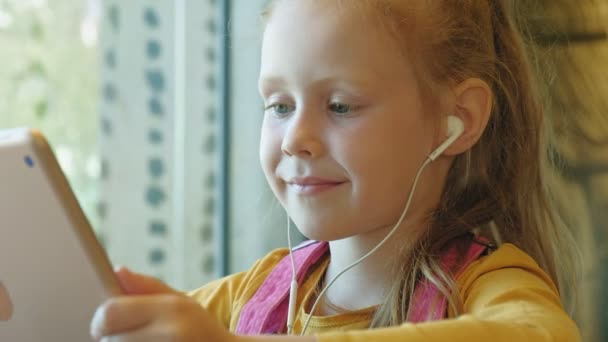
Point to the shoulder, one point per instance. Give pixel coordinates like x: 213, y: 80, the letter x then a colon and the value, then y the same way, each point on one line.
x: 507, y: 256
x: 508, y: 288
x: 506, y: 274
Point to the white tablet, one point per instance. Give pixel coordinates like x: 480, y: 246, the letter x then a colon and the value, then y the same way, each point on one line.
x: 53, y: 272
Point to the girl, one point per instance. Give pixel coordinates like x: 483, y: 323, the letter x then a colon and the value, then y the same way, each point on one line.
x: 366, y: 101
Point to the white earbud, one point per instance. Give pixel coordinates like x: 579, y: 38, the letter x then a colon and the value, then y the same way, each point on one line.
x: 455, y: 129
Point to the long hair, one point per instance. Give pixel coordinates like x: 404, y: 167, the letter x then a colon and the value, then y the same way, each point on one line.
x: 500, y: 188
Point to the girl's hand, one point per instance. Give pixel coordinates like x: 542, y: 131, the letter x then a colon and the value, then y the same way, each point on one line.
x: 152, y: 311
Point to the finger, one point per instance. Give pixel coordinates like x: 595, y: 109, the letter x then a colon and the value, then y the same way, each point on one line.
x: 136, y: 283
x: 148, y: 334
x: 122, y: 314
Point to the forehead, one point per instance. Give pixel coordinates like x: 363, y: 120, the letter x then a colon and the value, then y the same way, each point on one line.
x: 320, y: 36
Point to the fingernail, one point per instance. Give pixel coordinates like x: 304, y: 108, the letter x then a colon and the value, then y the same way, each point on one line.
x: 95, y: 322
x: 119, y: 268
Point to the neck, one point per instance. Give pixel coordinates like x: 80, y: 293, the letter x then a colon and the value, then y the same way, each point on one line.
x: 373, y: 276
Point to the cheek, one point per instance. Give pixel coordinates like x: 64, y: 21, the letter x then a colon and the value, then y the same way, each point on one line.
x: 270, y: 151
x: 385, y: 146
x: 384, y: 164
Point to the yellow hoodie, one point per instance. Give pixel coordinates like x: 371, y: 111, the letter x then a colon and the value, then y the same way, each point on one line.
x: 506, y: 296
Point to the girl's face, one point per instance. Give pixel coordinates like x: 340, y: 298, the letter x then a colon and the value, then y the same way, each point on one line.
x: 344, y: 129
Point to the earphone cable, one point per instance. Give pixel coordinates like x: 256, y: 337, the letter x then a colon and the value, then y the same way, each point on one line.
x: 393, y: 230
x: 294, y: 281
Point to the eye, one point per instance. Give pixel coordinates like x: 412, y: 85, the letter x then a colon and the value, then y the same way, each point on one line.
x: 340, y: 108
x: 279, y: 109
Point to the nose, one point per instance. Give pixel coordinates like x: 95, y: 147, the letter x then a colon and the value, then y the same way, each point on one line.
x: 303, y: 137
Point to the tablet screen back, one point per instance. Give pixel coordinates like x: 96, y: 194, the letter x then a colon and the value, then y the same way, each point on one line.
x: 53, y: 273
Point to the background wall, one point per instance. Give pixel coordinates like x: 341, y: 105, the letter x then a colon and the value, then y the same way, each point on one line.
x: 572, y: 48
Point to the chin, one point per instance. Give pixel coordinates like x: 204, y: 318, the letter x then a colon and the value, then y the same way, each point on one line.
x: 320, y: 231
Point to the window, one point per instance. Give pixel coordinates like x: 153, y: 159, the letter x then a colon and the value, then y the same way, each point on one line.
x: 49, y: 80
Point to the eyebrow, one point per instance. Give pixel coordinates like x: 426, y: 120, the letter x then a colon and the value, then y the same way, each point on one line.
x: 271, y: 82
x: 279, y: 82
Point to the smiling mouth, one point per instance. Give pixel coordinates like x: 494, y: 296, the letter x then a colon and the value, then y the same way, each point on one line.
x: 313, y: 187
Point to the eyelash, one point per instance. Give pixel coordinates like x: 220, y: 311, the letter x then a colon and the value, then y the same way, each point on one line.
x: 273, y: 107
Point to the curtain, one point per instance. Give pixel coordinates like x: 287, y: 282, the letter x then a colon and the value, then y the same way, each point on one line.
x: 158, y: 141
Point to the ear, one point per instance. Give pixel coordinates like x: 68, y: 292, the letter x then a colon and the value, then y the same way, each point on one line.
x: 473, y: 105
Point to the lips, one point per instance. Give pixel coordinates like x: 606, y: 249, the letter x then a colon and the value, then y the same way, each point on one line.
x: 313, y: 185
